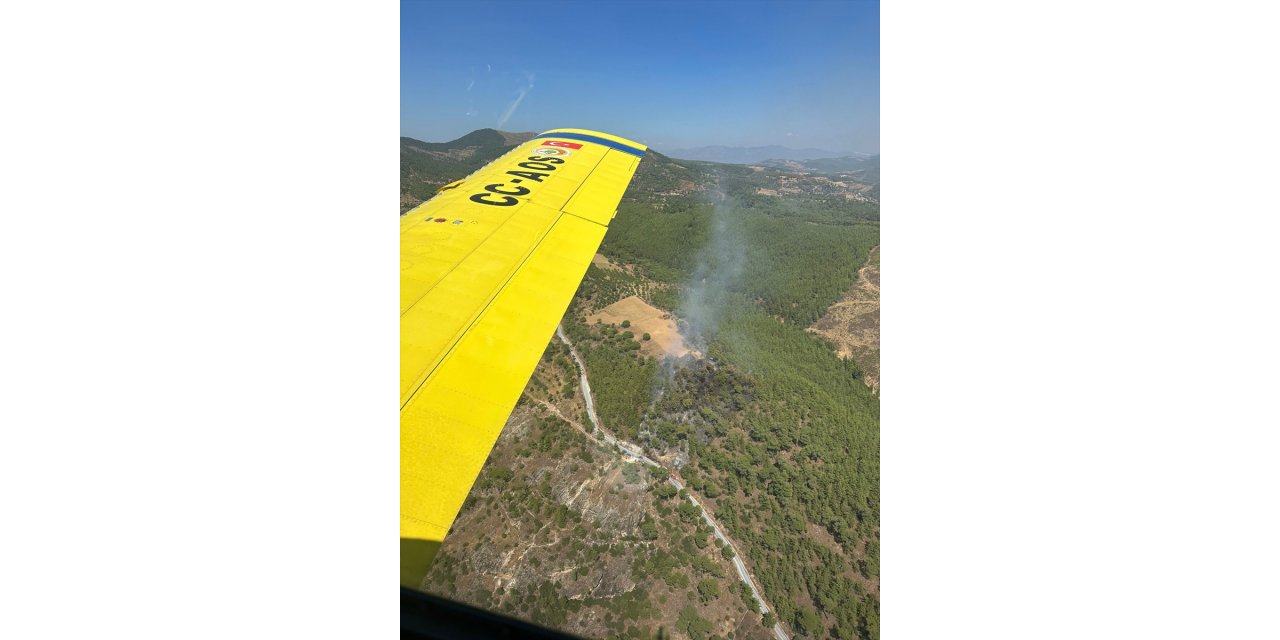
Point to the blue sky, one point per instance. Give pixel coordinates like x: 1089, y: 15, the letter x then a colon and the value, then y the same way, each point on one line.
x: 668, y: 74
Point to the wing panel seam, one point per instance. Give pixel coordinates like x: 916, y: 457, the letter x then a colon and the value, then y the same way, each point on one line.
x: 476, y: 318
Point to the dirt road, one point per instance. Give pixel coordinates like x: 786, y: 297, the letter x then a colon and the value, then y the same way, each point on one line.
x: 634, y: 452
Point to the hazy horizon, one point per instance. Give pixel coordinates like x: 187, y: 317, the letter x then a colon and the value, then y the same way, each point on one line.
x: 662, y: 149
x: 673, y: 76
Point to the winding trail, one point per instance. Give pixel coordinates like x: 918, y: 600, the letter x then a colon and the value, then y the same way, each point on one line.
x: 634, y: 452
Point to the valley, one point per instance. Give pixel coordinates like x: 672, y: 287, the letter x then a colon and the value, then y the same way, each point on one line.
x: 638, y: 479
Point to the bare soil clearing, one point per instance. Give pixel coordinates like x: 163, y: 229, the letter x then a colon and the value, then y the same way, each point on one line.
x: 853, y: 323
x: 665, y: 339
x: 601, y: 261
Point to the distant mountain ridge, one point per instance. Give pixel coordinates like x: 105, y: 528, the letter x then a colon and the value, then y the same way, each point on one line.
x: 477, y: 138
x: 427, y: 166
x: 749, y: 155
x: 851, y: 181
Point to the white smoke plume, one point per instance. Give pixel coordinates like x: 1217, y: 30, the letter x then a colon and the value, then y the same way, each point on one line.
x: 717, y: 270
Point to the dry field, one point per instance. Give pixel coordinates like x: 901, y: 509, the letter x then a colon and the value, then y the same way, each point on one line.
x: 601, y: 261
x: 664, y: 339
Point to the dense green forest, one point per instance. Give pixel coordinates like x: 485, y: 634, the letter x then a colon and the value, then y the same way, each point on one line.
x: 781, y: 434
x: 796, y: 268
x: 796, y: 256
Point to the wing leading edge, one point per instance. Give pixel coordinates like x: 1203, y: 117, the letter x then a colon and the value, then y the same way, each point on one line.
x: 487, y: 269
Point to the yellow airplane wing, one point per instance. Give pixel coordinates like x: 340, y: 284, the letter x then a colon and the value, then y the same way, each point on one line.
x: 487, y: 268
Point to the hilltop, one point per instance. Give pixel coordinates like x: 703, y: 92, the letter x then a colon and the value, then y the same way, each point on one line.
x: 427, y: 166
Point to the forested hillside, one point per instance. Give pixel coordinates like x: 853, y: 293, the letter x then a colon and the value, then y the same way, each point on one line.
x: 776, y: 435
x: 427, y: 166
x: 564, y: 531
x: 780, y: 435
